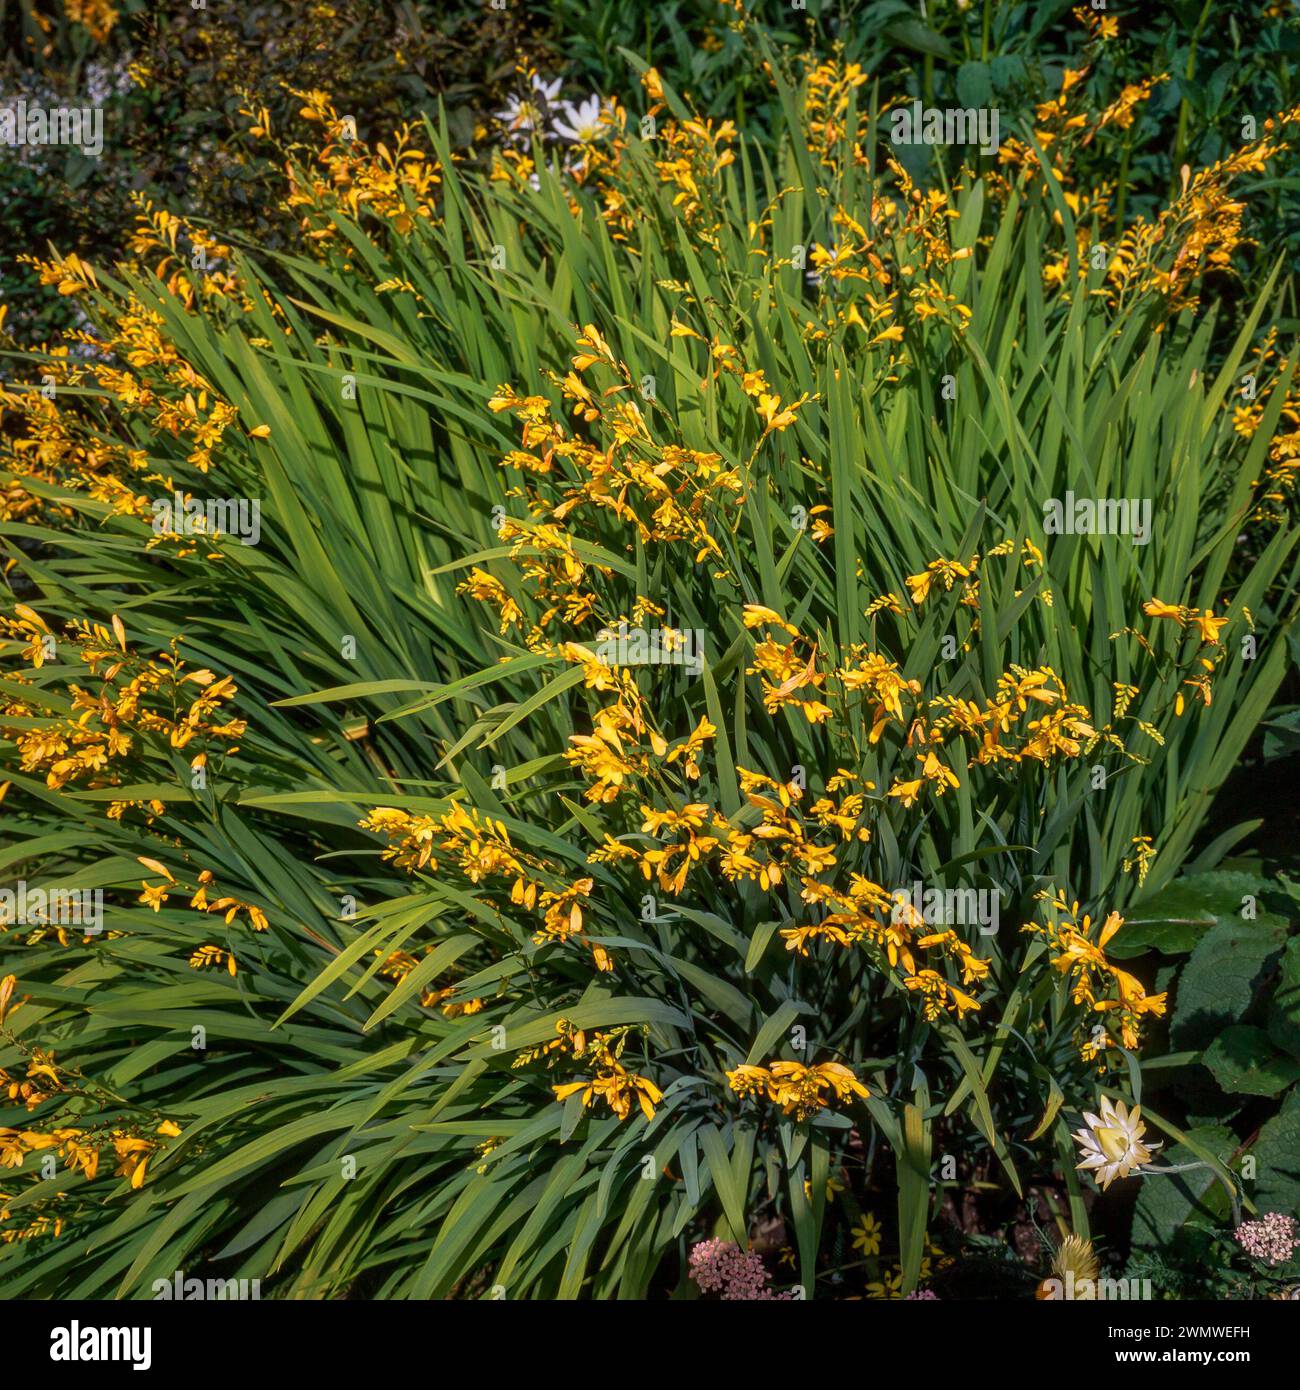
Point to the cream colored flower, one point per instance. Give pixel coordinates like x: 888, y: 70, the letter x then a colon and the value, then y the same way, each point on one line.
x: 1112, y: 1144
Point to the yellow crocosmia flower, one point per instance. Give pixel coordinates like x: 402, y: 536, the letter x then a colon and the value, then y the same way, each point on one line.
x: 572, y: 1088
x: 933, y: 770
x: 1109, y: 927
x: 962, y: 1003
x: 1208, y: 625
x: 841, y: 1079
x: 776, y: 417
x: 594, y: 349
x: 747, y: 1080
x: 755, y: 615
x: 754, y: 384
x: 907, y: 792
x: 919, y: 586
x: 1155, y: 608
x: 154, y: 895
x: 799, y: 1089
x: 133, y: 1157
x: 618, y: 1088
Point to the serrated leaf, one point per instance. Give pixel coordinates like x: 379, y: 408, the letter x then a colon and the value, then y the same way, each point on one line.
x: 1221, y: 978
x: 1244, y: 1061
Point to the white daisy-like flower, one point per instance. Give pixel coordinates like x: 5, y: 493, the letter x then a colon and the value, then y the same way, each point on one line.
x: 583, y: 124
x: 548, y: 91
x: 1112, y: 1142
x: 532, y: 113
x: 521, y: 117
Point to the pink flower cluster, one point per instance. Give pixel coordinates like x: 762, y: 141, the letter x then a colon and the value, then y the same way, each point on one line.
x: 722, y: 1267
x: 1271, y: 1239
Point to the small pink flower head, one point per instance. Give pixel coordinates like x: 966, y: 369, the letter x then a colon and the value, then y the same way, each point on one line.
x: 1271, y: 1239
x: 721, y: 1267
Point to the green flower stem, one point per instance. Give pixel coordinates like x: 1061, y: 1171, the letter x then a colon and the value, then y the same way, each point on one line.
x: 1222, y: 1177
